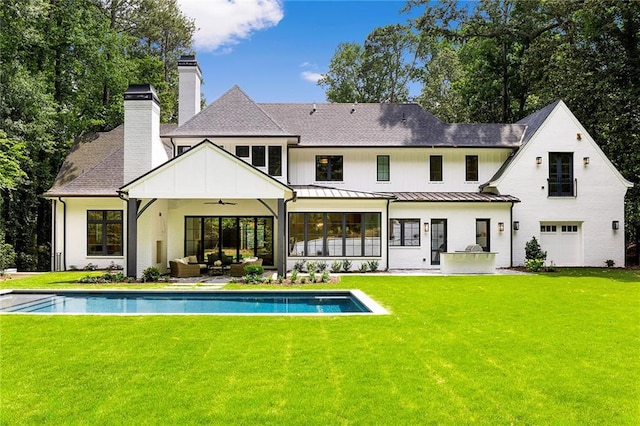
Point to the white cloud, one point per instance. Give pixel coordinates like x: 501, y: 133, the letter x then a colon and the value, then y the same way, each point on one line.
x: 225, y: 22
x: 311, y: 76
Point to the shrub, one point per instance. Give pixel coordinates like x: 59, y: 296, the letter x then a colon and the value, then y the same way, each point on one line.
x: 533, y: 250
x: 325, y: 277
x: 346, y: 265
x: 294, y: 275
x: 534, y: 256
x: 7, y: 256
x: 299, y: 265
x: 336, y: 266
x: 533, y: 265
x: 373, y: 265
x: 303, y: 280
x: 151, y: 274
x: 610, y: 263
x: 322, y: 266
x: 311, y: 267
x: 280, y: 279
x: 254, y: 270
x: 90, y: 267
x: 312, y: 275
x: 363, y: 267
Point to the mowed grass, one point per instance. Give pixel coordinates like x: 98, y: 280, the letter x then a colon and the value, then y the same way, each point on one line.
x: 560, y: 348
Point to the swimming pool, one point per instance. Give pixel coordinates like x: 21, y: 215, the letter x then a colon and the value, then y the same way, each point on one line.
x: 224, y: 302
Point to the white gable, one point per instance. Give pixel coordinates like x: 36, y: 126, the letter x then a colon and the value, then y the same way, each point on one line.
x: 207, y: 171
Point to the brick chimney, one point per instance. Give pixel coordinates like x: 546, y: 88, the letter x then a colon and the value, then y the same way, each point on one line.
x: 143, y: 149
x: 190, y: 79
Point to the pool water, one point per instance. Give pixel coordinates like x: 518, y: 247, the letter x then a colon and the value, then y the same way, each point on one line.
x: 165, y: 302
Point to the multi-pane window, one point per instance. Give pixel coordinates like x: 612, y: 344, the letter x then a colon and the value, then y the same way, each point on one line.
x: 242, y: 151
x: 258, y: 155
x: 104, y: 233
x: 183, y: 148
x: 569, y: 228
x: 404, y: 232
x: 275, y: 160
x: 334, y: 234
x: 561, y: 174
x: 382, y: 167
x: 435, y: 168
x: 548, y: 228
x: 329, y: 167
x: 471, y: 168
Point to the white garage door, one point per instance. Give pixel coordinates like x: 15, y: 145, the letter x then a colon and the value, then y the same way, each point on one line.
x: 563, y: 243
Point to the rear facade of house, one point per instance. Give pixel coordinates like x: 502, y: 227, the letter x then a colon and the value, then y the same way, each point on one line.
x: 328, y: 182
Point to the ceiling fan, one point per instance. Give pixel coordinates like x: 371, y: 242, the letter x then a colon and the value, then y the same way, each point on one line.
x: 221, y: 202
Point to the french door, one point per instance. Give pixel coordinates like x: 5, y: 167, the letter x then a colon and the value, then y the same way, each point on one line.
x: 438, y: 239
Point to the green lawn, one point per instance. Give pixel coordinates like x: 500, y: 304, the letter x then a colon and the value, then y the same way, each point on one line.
x: 560, y: 348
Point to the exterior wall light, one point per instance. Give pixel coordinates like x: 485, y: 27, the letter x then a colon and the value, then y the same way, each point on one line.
x: 426, y: 226
x: 585, y: 161
x: 615, y: 225
x: 516, y: 225
x: 538, y: 160
x: 579, y: 136
x: 501, y: 226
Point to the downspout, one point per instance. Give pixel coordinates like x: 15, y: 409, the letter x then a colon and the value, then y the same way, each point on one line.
x: 386, y: 239
x: 173, y: 147
x: 511, y: 234
x: 64, y: 234
x: 54, y: 243
x: 285, y: 249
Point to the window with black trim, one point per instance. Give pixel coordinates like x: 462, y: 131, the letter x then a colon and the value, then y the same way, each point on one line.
x: 435, y: 168
x: 404, y: 232
x: 242, y: 151
x: 569, y: 228
x: 548, y: 228
x: 382, y: 167
x: 275, y: 160
x: 561, y: 174
x: 471, y: 168
x: 258, y: 157
x: 104, y: 233
x: 335, y: 234
x: 329, y: 167
x: 183, y: 148
x: 483, y: 236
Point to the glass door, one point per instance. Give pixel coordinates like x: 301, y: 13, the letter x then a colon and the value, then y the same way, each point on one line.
x: 438, y: 239
x: 229, y: 231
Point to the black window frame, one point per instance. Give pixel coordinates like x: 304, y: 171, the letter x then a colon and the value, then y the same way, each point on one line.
x: 561, y: 176
x: 383, y: 168
x: 471, y: 168
x: 242, y: 151
x: 435, y: 168
x: 275, y: 160
x: 330, y: 171
x: 258, y: 155
x: 487, y: 223
x: 364, y: 220
x: 402, y: 240
x: 181, y: 149
x: 105, y: 243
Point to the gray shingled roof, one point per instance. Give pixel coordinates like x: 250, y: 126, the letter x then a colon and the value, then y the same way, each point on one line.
x: 232, y: 114
x: 448, y: 197
x: 95, y: 165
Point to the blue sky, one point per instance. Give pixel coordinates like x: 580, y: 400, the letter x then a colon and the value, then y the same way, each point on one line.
x: 276, y: 50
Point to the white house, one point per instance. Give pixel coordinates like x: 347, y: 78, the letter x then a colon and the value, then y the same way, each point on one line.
x: 328, y: 182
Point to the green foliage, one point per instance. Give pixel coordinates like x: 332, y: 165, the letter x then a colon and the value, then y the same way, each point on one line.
x: 610, y: 263
x: 7, y: 254
x: 533, y: 265
x: 373, y: 265
x: 532, y: 250
x: 336, y: 266
x: 150, y: 275
x: 325, y: 276
x: 364, y: 267
x: 105, y: 278
x: 346, y: 265
x: 322, y: 266
x: 299, y: 265
x: 294, y: 275
x: 254, y: 270
x: 312, y: 267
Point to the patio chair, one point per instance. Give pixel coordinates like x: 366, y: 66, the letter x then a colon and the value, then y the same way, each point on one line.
x: 183, y: 270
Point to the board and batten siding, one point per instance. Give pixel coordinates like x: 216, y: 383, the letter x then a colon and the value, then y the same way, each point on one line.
x: 409, y: 168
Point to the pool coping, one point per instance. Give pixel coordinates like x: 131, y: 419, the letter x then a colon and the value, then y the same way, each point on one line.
x: 374, y: 307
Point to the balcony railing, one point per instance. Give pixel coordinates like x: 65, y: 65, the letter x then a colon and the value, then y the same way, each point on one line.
x: 564, y: 187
